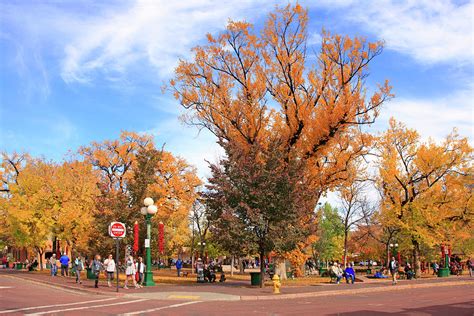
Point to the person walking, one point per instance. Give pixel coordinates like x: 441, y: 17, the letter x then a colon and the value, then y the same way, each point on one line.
x: 109, y: 264
x: 53, y: 263
x: 140, y: 268
x: 96, y: 267
x: 64, y: 260
x: 393, y: 266
x: 470, y: 266
x: 78, y: 267
x: 130, y: 273
x: 179, y: 266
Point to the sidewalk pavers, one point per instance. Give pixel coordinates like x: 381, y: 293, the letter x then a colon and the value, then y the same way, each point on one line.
x: 233, y: 290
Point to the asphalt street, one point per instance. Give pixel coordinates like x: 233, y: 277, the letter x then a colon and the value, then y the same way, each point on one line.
x: 21, y: 297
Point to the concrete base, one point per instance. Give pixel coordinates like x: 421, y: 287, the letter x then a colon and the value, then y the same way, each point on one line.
x: 149, y: 279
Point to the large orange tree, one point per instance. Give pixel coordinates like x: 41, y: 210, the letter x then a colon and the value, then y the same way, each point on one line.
x: 263, y: 93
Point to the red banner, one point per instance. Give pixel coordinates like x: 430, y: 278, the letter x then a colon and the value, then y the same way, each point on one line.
x: 135, y: 237
x: 161, y: 237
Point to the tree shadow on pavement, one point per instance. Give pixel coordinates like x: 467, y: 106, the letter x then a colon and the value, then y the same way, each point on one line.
x: 458, y: 309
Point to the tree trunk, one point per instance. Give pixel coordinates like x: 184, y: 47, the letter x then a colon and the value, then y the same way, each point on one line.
x: 241, y: 266
x: 262, y: 268
x: 416, y: 258
x: 232, y: 266
x: 40, y: 259
x: 346, y: 233
x: 387, y: 247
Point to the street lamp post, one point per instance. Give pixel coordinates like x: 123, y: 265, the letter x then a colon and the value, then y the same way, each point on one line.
x: 395, y: 250
x: 148, y: 211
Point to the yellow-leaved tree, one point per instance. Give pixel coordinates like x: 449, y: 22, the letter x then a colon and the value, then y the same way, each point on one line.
x: 426, y: 187
x: 46, y: 200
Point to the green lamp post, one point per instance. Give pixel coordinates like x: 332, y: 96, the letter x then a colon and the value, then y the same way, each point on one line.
x: 148, y: 211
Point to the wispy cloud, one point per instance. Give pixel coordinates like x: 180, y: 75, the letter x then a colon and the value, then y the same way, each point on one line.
x: 430, y: 31
x: 435, y: 118
x: 187, y: 142
x: 155, y: 32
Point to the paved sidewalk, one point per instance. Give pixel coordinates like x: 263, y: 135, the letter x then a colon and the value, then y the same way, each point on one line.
x: 233, y: 290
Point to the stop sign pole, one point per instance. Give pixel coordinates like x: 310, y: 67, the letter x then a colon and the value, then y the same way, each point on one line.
x: 117, y: 231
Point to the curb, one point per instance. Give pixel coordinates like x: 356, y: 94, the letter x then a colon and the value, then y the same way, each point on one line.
x: 355, y: 291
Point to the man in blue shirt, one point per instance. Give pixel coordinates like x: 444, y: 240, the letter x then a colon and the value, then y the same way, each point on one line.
x: 350, y: 274
x: 179, y: 266
x: 64, y: 260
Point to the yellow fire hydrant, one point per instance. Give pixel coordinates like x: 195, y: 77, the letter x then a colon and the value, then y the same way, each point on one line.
x: 276, y: 284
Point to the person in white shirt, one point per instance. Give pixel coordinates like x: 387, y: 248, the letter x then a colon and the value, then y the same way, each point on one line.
x: 130, y: 273
x: 140, y: 268
x: 109, y: 264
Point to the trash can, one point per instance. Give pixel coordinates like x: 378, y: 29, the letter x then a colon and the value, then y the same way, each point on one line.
x: 443, y: 272
x: 255, y: 278
x: 369, y: 271
x: 323, y: 271
x: 90, y: 275
x: 19, y: 266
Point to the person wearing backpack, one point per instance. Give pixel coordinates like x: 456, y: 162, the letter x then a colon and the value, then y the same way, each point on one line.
x: 78, y: 267
x: 96, y: 267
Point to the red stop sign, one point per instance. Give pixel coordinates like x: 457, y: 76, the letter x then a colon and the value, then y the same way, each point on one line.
x: 117, y: 230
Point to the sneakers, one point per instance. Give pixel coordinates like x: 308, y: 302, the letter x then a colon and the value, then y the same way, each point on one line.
x: 125, y: 287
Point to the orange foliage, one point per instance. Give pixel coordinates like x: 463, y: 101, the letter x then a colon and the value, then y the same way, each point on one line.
x: 315, y: 109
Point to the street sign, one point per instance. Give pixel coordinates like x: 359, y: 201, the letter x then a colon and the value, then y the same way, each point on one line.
x: 147, y: 243
x: 117, y: 230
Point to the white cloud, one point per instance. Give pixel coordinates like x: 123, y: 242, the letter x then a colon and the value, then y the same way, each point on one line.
x: 430, y: 31
x: 157, y: 32
x: 185, y: 141
x: 435, y: 118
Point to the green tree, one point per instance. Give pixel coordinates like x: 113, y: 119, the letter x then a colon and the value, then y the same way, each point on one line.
x: 330, y: 232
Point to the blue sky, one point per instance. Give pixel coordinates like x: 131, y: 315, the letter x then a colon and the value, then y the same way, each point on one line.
x: 72, y: 72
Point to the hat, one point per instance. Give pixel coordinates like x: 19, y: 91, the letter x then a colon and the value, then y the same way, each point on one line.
x: 335, y: 264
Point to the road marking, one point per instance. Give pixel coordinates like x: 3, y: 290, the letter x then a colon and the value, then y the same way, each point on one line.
x: 57, y: 305
x: 188, y: 297
x: 160, y: 308
x: 6, y: 287
x: 87, y: 307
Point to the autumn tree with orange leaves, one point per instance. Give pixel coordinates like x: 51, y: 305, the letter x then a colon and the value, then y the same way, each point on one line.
x: 132, y: 168
x: 427, y: 187
x: 259, y: 92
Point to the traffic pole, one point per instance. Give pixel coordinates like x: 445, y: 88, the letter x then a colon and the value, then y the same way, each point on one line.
x: 117, y: 241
